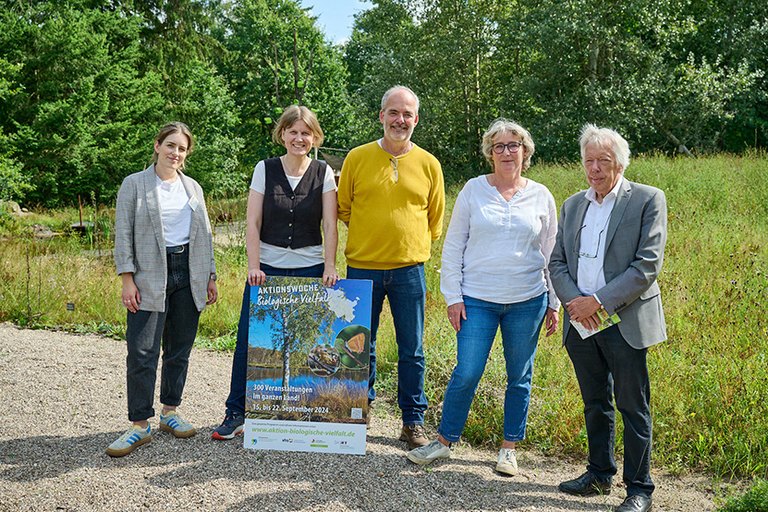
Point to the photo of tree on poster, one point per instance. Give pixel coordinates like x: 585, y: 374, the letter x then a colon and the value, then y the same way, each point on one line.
x: 308, y: 351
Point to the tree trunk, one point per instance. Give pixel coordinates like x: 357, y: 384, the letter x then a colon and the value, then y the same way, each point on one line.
x: 296, y: 94
x: 594, y: 56
x: 276, y: 71
x: 680, y: 146
x: 286, y: 371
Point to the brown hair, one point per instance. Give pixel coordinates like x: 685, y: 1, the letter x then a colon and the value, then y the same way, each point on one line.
x: 174, y: 127
x: 297, y: 113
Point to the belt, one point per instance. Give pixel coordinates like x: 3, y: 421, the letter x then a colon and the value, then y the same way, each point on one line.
x: 176, y: 249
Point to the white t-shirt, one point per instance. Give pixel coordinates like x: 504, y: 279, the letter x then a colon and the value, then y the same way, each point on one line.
x: 175, y: 212
x: 497, y: 250
x: 285, y: 257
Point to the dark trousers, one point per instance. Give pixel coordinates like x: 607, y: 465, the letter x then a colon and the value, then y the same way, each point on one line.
x: 177, y: 328
x: 236, y: 398
x: 607, y: 368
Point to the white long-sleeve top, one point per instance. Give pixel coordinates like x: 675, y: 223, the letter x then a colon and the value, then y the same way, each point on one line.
x: 498, y: 250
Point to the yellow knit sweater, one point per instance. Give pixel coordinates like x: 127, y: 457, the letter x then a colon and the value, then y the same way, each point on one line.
x: 392, y: 217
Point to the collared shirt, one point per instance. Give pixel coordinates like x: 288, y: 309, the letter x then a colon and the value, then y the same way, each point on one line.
x: 594, y: 231
x: 175, y: 211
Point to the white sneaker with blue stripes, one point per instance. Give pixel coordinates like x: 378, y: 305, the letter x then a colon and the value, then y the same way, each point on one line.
x: 129, y: 441
x: 176, y: 425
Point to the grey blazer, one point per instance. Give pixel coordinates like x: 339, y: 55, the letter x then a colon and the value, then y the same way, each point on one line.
x: 140, y: 242
x: 634, y: 252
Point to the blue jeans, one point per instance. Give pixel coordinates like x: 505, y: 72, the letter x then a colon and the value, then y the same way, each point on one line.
x: 406, y: 289
x: 174, y: 330
x: 236, y: 398
x: 607, y: 368
x: 520, y: 325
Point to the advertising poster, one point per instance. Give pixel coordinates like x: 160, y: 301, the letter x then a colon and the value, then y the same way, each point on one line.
x: 308, y: 357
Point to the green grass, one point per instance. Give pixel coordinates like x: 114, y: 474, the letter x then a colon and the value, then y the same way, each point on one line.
x: 754, y: 500
x: 709, y: 380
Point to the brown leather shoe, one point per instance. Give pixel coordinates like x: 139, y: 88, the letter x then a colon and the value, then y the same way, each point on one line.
x: 414, y: 435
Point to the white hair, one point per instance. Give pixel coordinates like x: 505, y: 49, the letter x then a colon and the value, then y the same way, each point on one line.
x: 393, y: 90
x: 592, y: 135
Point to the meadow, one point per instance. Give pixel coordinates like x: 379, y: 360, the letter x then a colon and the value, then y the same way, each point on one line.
x: 709, y: 380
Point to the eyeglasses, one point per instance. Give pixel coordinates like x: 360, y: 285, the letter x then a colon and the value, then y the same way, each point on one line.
x: 513, y: 147
x: 393, y: 161
x: 583, y: 254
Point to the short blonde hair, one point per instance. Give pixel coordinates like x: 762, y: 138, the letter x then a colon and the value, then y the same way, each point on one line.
x: 298, y: 113
x: 174, y: 127
x: 500, y: 126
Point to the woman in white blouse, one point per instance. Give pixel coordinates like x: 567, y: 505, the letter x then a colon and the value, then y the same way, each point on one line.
x: 291, y: 231
x: 494, y: 275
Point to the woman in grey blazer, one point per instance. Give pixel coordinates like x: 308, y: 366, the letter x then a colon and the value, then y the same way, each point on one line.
x: 164, y: 255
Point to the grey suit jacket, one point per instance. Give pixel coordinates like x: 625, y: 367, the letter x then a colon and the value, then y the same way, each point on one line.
x: 634, y: 252
x: 140, y: 242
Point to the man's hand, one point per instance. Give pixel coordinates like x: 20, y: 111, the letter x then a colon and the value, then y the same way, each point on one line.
x: 584, y: 310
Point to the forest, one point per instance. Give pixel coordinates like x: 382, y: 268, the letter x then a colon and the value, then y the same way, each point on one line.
x: 85, y: 84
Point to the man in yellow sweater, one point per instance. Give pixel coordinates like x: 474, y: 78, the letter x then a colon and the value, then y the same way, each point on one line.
x: 392, y: 198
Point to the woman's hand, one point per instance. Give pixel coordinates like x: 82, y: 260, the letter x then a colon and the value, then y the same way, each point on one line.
x: 213, y: 292
x: 256, y: 277
x: 130, y: 294
x: 330, y: 276
x: 457, y: 313
x: 551, y: 321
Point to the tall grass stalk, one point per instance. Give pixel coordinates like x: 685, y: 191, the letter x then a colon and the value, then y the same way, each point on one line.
x: 709, y: 380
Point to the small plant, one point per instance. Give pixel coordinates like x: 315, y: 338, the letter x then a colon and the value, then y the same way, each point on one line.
x: 754, y: 500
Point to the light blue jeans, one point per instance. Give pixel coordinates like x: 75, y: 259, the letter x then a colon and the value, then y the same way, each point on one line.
x: 520, y: 325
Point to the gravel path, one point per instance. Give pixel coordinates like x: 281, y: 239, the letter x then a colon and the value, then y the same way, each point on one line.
x: 62, y: 401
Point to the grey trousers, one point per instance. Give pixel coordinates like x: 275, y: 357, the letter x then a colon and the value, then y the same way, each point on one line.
x: 176, y: 328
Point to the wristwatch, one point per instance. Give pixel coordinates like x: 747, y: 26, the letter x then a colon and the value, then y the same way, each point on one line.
x: 213, y: 277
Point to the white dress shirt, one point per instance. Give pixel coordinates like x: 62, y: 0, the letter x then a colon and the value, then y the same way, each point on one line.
x: 594, y: 230
x: 497, y: 250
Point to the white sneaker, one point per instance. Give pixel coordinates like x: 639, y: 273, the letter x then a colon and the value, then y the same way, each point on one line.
x: 425, y: 454
x: 507, y: 463
x: 176, y: 425
x: 129, y: 441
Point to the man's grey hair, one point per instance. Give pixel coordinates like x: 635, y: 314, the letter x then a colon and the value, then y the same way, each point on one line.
x: 592, y: 135
x: 396, y: 88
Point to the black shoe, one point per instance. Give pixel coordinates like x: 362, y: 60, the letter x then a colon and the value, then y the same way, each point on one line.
x: 636, y: 503
x: 586, y: 485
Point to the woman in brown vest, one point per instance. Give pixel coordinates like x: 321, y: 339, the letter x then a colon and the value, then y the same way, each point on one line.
x: 291, y: 198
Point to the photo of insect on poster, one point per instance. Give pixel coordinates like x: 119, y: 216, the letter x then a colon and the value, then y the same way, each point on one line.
x: 308, y: 365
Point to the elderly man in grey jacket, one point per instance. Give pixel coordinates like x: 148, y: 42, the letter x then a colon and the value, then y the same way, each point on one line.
x: 608, y: 254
